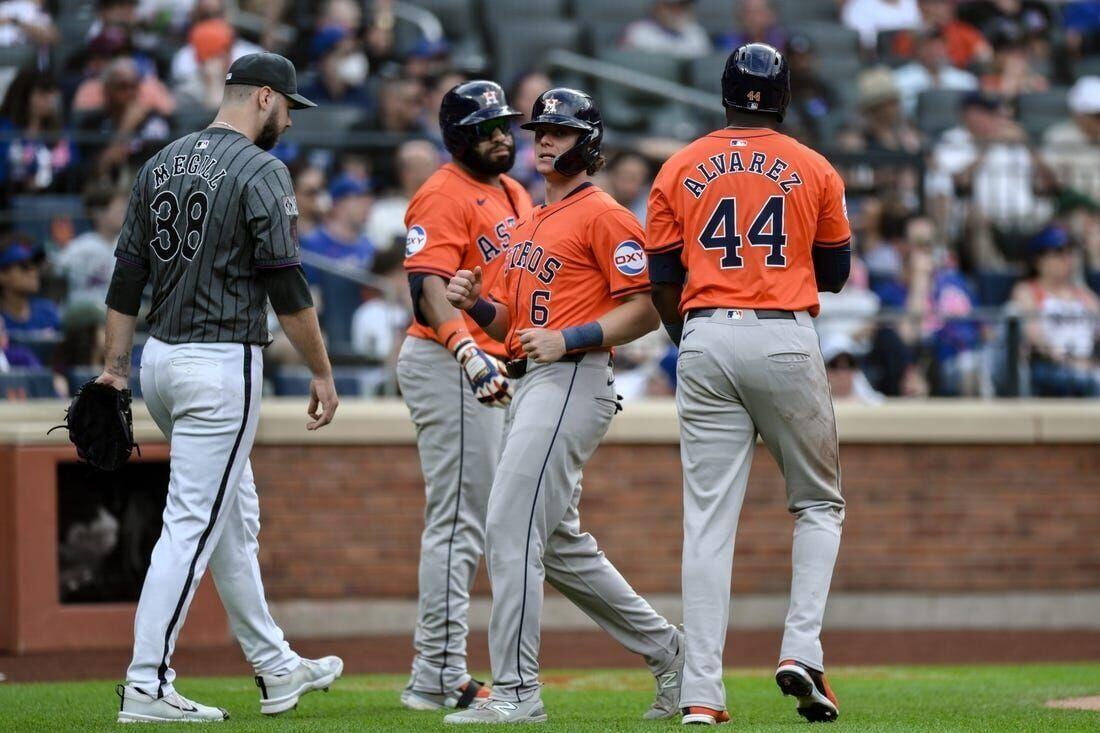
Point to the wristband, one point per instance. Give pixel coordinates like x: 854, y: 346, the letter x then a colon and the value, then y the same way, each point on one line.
x: 483, y: 312
x: 587, y: 336
x: 451, y: 330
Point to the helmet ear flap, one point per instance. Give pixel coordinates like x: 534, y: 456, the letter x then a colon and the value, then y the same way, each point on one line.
x: 583, y: 154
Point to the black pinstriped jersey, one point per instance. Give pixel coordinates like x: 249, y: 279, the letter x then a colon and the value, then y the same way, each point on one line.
x: 208, y: 213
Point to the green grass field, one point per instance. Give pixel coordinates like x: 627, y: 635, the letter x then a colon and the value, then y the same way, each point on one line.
x: 986, y: 698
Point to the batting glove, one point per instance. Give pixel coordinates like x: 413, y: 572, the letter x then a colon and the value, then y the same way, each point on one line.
x: 484, y: 373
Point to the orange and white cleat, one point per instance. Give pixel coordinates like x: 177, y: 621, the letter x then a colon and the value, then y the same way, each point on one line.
x: 698, y: 715
x: 816, y: 701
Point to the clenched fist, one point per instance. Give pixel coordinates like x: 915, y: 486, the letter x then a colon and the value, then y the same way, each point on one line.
x: 464, y: 288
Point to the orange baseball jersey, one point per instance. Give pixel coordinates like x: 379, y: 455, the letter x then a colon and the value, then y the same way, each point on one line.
x: 456, y: 222
x: 747, y: 207
x: 569, y: 262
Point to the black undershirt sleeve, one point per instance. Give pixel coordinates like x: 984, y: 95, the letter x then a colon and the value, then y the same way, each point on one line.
x: 287, y: 288
x: 832, y: 266
x: 127, y: 282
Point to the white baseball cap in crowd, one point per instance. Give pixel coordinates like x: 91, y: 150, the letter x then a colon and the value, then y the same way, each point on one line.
x: 1084, y: 96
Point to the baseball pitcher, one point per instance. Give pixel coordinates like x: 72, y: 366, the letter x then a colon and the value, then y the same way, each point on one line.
x: 745, y: 226
x: 211, y: 226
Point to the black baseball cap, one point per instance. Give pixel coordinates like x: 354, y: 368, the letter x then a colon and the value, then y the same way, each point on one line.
x: 268, y: 70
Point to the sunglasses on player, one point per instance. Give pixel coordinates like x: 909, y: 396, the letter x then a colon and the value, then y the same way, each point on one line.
x: 485, y: 129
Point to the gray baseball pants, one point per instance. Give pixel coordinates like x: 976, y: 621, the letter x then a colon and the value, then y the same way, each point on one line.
x: 459, y: 442
x: 558, y: 416
x: 738, y: 377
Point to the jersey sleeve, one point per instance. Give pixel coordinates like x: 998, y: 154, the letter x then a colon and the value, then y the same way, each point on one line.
x: 437, y: 236
x: 501, y: 292
x: 618, y: 244
x: 134, y: 237
x: 832, y: 218
x: 271, y: 213
x: 663, y: 233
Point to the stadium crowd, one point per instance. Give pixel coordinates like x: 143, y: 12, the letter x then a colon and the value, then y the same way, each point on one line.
x: 967, y: 132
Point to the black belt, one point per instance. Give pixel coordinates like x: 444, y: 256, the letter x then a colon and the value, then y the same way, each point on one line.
x: 763, y: 314
x: 518, y: 367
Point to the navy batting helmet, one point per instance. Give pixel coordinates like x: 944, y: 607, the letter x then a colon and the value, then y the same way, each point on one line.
x: 570, y: 108
x: 462, y: 115
x: 757, y: 79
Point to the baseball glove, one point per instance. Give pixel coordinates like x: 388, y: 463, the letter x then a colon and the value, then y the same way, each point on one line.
x: 101, y: 425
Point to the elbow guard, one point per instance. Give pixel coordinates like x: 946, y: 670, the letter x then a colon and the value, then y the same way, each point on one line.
x: 288, y: 289
x: 831, y: 267
x: 127, y: 282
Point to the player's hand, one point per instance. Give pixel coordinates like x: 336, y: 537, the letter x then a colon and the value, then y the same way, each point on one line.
x: 322, y: 402
x: 544, y: 345
x: 484, y: 373
x: 119, y: 383
x: 464, y: 288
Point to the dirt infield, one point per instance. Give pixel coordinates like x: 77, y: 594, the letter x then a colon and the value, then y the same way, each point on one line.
x: 1076, y: 703
x: 594, y: 649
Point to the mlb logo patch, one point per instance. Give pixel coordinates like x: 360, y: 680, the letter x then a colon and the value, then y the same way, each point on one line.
x: 735, y: 315
x: 629, y: 258
x: 202, y: 144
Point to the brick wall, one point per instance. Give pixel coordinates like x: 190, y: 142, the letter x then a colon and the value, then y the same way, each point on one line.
x: 344, y: 521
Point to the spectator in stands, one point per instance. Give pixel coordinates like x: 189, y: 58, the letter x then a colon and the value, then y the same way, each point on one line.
x: 931, y: 69
x: 847, y: 382
x: 15, y: 355
x: 88, y: 261
x: 1032, y: 17
x: 1081, y: 22
x: 812, y: 97
x: 342, y: 69
x: 437, y: 87
x: 964, y: 43
x: 210, y: 44
x: 755, y: 21
x: 1061, y: 322
x: 402, y: 106
x: 1072, y: 148
x: 313, y: 199
x: 25, y: 314
x: 885, y: 128
x: 340, y: 238
x: 851, y: 312
x: 869, y: 17
x: 936, y: 297
x: 132, y: 130
x: 670, y: 29
x: 525, y: 90
x: 1012, y: 71
x: 38, y: 156
x: 25, y: 23
x: 379, y: 324
x: 112, y: 44
x: 628, y: 177
x: 428, y: 59
x: 989, y: 165
x: 416, y: 160
x: 82, y: 342
x: 209, y: 33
